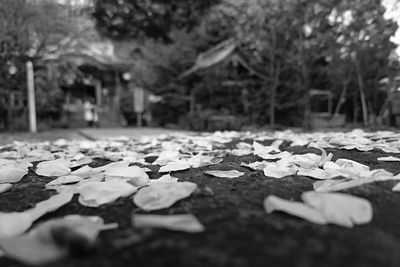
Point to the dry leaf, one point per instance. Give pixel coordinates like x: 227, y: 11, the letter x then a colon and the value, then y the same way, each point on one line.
x: 225, y: 174
x: 183, y: 222
x: 158, y: 196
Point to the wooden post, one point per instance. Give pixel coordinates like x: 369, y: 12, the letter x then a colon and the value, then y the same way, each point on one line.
x: 31, y: 97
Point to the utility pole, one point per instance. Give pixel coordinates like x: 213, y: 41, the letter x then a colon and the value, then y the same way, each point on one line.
x: 31, y: 97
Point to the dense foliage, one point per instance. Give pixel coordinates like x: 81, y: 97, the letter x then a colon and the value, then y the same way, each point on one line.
x: 122, y: 19
x: 342, y: 46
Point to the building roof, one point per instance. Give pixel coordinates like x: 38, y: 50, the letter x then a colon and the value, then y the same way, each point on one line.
x: 223, y: 51
x: 100, y: 54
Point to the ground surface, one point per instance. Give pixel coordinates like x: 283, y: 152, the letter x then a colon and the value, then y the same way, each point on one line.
x: 6, y: 138
x: 238, y: 230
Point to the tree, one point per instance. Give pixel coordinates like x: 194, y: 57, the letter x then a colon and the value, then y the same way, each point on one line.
x: 31, y: 30
x: 317, y: 40
x: 127, y: 19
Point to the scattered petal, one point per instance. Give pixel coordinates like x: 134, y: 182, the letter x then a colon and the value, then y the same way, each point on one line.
x: 166, y: 178
x: 55, y: 239
x: 136, y: 175
x: 67, y: 179
x: 341, y: 209
x: 16, y: 223
x: 5, y: 187
x: 158, y: 196
x: 225, y: 174
x: 9, y: 174
x: 390, y: 158
x: 273, y: 203
x: 175, y: 166
x: 95, y: 194
x: 183, y: 222
x: 58, y: 167
x: 202, y: 161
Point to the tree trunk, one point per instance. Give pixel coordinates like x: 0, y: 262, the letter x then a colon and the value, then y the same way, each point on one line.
x: 272, y: 106
x: 362, y: 94
x: 342, y: 97
x: 117, y: 98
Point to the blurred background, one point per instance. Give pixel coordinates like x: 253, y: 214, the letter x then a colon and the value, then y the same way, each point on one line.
x: 200, y: 64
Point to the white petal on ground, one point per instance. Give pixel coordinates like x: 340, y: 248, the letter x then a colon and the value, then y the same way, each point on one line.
x: 354, y: 167
x: 256, y: 166
x: 396, y: 188
x: 9, y: 174
x: 167, y: 156
x: 166, y: 178
x: 265, y: 151
x: 67, y: 179
x: 51, y: 204
x: 203, y: 160
x: 324, y: 156
x: 40, y: 246
x: 16, y: 223
x: 183, y: 222
x: 158, y: 196
x: 318, y: 173
x: 278, y: 170
x: 339, y: 185
x: 390, y: 158
x: 5, y: 187
x: 240, y: 152
x: 274, y: 203
x: 136, y: 175
x: 175, y: 166
x: 225, y: 174
x: 86, y: 171
x: 341, y: 209
x: 94, y: 194
x: 4, y: 162
x: 58, y: 167
x: 113, y: 165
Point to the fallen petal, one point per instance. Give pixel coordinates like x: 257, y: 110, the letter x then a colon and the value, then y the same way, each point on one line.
x: 225, y: 174
x: 162, y: 195
x: 184, y: 222
x: 175, y: 166
x: 273, y: 203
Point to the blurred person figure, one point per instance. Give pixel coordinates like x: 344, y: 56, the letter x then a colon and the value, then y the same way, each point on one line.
x: 89, y: 113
